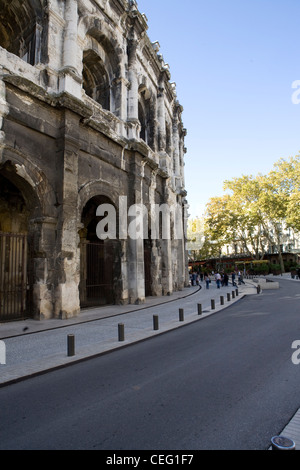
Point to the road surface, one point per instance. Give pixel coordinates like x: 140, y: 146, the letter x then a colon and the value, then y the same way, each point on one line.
x: 226, y: 382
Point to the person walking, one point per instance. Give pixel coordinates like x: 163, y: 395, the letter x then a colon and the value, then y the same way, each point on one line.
x: 218, y: 279
x: 240, y: 278
x: 233, y: 278
x: 207, y: 280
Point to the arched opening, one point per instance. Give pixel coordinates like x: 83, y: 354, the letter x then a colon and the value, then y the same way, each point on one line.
x: 21, y: 28
x: 146, y: 116
x: 168, y: 139
x: 95, y: 79
x: 100, y: 260
x: 16, y: 279
x: 143, y: 123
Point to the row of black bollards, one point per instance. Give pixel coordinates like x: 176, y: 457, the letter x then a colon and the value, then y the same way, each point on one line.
x: 181, y: 313
x: 121, y: 326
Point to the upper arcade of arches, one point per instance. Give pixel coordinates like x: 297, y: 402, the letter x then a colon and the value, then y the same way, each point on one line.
x: 96, y: 51
x: 21, y: 28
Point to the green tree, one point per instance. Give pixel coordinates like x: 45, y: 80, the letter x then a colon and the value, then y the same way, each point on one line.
x: 286, y: 178
x: 256, y: 209
x: 245, y: 193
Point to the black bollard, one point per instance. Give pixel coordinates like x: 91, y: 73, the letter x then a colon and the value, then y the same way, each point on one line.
x: 213, y: 304
x: 228, y: 297
x: 181, y: 314
x: 121, y: 332
x: 199, y: 309
x: 155, y: 322
x: 71, y: 345
x: 222, y: 300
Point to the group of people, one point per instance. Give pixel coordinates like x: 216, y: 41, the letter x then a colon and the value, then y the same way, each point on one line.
x: 221, y: 279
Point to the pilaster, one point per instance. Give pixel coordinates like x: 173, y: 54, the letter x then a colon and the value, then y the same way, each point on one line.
x: 68, y: 257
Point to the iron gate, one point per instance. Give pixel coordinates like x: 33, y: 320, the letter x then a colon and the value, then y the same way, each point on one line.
x: 14, y: 287
x: 96, y: 274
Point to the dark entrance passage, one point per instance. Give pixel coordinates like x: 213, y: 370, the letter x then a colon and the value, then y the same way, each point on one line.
x: 96, y: 284
x: 100, y: 264
x: 14, y: 280
x: 15, y: 256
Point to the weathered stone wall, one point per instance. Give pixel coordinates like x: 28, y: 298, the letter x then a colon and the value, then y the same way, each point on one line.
x: 87, y: 113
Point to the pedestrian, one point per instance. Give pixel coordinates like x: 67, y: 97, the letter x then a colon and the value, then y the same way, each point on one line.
x: 207, y: 280
x: 225, y: 279
x: 218, y: 279
x: 233, y: 278
x: 240, y: 277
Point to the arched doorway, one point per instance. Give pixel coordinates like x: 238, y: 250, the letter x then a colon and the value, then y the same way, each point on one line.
x: 100, y: 260
x: 15, y: 266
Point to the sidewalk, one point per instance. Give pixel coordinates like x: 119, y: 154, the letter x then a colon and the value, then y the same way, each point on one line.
x: 33, y: 347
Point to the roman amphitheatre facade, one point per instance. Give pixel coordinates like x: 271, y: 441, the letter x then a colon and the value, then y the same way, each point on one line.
x: 89, y: 117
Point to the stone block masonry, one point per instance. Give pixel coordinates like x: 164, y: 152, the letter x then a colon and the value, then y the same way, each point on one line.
x: 87, y: 114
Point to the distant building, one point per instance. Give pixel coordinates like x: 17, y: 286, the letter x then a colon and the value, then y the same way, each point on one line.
x: 87, y: 115
x: 290, y: 243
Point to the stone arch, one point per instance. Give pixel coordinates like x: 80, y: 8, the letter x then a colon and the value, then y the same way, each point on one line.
x: 41, y: 227
x: 21, y: 28
x: 96, y: 81
x: 90, y: 197
x: 18, y: 176
x: 94, y: 188
x: 34, y: 185
x: 145, y: 112
x: 102, y: 59
x: 100, y: 260
x: 19, y: 206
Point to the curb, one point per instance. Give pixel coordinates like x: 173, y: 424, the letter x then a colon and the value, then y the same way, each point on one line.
x: 66, y: 361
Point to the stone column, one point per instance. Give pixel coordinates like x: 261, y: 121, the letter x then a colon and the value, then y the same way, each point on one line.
x: 181, y: 275
x: 70, y: 80
x: 156, y: 286
x: 68, y: 257
x: 176, y: 146
x: 70, y: 36
x: 135, y: 258
x: 161, y: 116
x: 119, y: 101
x: 166, y: 245
x: 42, y: 235
x: 182, y: 151
x: 133, y: 94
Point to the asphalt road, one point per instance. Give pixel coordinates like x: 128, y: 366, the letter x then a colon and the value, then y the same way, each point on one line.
x: 225, y: 382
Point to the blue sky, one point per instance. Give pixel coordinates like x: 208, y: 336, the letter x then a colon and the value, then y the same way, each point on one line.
x: 234, y: 62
